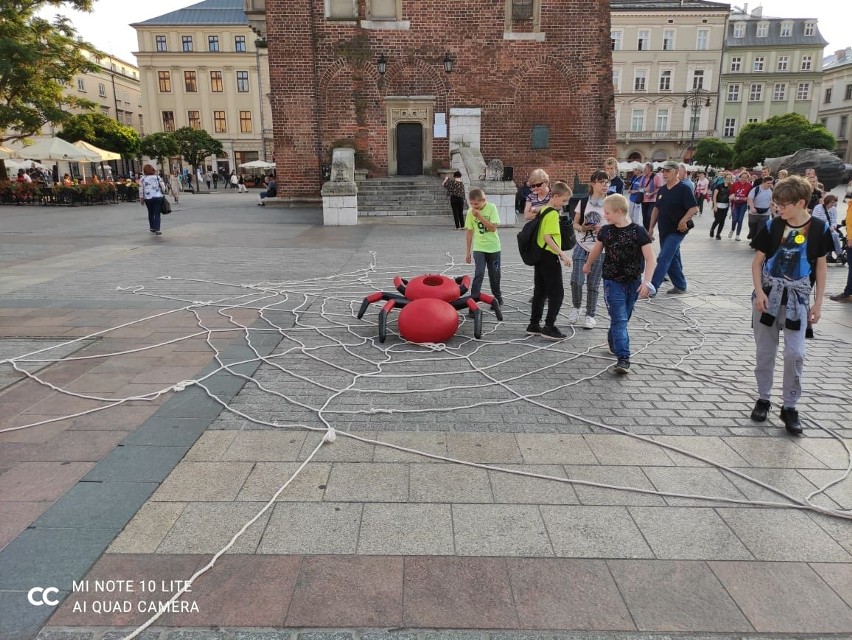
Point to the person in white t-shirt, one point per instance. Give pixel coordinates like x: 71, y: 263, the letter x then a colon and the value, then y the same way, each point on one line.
x: 587, y: 223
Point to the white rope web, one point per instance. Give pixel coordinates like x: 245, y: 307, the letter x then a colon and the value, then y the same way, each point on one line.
x: 329, y: 369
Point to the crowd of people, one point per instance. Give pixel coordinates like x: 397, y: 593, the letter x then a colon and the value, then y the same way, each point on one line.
x: 791, y: 222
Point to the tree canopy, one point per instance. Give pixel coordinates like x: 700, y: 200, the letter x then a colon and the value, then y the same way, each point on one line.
x: 779, y: 136
x: 714, y: 152
x: 37, y: 58
x: 197, y: 144
x: 160, y: 145
x: 101, y: 131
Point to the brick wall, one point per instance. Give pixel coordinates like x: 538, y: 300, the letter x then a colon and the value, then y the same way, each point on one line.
x: 326, y: 88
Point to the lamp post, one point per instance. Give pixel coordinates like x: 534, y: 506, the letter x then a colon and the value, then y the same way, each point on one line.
x: 695, y: 99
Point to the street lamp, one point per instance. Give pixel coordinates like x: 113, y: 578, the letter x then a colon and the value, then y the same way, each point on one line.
x: 695, y: 99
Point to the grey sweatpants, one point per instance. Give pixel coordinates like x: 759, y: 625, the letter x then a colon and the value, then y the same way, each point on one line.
x: 766, y: 348
x: 593, y: 280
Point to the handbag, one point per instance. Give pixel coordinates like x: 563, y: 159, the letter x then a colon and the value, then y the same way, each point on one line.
x: 166, y: 209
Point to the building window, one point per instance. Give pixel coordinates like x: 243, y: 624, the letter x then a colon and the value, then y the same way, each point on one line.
x: 216, y: 82
x: 169, y: 121
x: 643, y: 43
x: 390, y: 9
x: 730, y: 129
x: 694, y: 120
x: 841, y: 131
x: 239, y: 43
x: 522, y: 9
x: 245, y: 121
x: 810, y: 28
x: 779, y: 93
x: 762, y: 29
x: 105, y: 111
x: 242, y: 81
x: 165, y: 81
x: 102, y: 90
x: 213, y: 43
x: 739, y: 30
x: 666, y: 80
x: 733, y: 93
x: 81, y: 85
x: 758, y: 64
x: 824, y: 122
x: 161, y: 43
x: 803, y: 91
x: 186, y: 43
x: 637, y: 120
x: 698, y: 79
x: 639, y: 78
x: 755, y: 93
x: 752, y: 120
x: 668, y: 40
x: 220, y: 125
x: 616, y: 80
x: 786, y: 29
x: 540, y: 136
x: 701, y: 39
x: 615, y: 40
x: 127, y: 97
x: 827, y: 95
x: 848, y: 92
x: 341, y: 9
x: 194, y: 119
x: 662, y: 119
x: 807, y: 63
x: 190, y: 82
x: 783, y: 63
x: 736, y: 64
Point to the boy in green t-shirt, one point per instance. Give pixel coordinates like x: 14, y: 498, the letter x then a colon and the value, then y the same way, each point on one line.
x: 481, y: 225
x: 548, y: 271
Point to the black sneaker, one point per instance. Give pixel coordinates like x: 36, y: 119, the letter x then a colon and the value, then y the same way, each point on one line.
x: 552, y: 333
x: 760, y: 411
x: 790, y: 418
x: 675, y: 291
x: 809, y: 332
x: 622, y: 366
x: 534, y: 329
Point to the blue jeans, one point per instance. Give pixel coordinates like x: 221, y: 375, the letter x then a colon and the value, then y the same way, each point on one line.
x: 154, y: 206
x: 620, y: 298
x: 738, y: 212
x: 668, y: 261
x: 492, y: 262
x: 848, y: 290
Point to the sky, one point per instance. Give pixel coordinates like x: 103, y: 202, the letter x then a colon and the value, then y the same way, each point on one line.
x: 107, y: 27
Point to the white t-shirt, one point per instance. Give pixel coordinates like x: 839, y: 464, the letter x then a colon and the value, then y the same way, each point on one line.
x: 594, y: 215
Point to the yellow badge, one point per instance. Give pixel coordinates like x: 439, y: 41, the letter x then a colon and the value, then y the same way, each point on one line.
x: 799, y: 239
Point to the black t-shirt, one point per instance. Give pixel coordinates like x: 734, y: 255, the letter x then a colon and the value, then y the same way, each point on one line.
x: 616, y: 185
x: 672, y: 204
x: 815, y: 196
x: 623, y: 245
x: 723, y: 194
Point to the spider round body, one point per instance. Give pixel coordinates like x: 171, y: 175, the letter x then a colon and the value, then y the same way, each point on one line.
x: 432, y: 286
x: 428, y: 320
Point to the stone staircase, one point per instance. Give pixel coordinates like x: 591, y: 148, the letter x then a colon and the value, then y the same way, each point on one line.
x: 402, y: 196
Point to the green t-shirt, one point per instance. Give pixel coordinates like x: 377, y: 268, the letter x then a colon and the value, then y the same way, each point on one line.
x: 550, y: 226
x: 484, y: 240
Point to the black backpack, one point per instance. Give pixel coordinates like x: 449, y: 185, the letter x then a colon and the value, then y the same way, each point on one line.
x: 528, y: 247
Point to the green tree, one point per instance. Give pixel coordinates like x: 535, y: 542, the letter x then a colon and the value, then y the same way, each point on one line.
x: 37, y: 58
x: 197, y: 144
x: 779, y: 136
x: 714, y: 152
x: 101, y: 131
x: 160, y: 146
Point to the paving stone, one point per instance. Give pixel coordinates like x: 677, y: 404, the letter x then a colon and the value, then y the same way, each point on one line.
x: 204, y: 482
x: 788, y: 481
x: 782, y: 453
x: 367, y: 482
x: 458, y: 593
x: 348, y: 592
x: 40, y: 481
x: 196, y: 635
x: 712, y: 448
x: 624, y: 450
x: 838, y: 577
x: 206, y: 527
x: 555, y: 449
x: 294, y: 527
x: 261, y: 635
x: 168, y: 432
x: 500, y: 530
x: 525, y: 490
x: 779, y: 534
x: 613, y: 476
x: 134, y: 463
x: 265, y: 446
x: 840, y: 493
x: 17, y: 516
x: 683, y: 533
x: 145, y: 532
x: 65, y: 635
x: 496, y: 448
x: 784, y: 597
x: 675, y: 595
x: 835, y: 527
x: 351, y: 451
x: 594, y: 532
x: 101, y: 505
x: 120, y: 635
x: 267, y: 478
x: 406, y: 529
x: 693, y: 481
x: 210, y: 446
x: 448, y: 483
x: 428, y: 442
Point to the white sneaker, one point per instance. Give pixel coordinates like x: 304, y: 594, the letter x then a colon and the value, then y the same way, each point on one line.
x: 573, y: 316
x: 590, y: 323
x: 737, y: 238
x: 731, y: 234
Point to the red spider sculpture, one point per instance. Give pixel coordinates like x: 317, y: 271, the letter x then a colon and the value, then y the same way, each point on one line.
x: 429, y: 307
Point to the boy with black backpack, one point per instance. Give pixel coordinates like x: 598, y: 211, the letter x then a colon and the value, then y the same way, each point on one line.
x: 548, y: 271
x: 789, y: 260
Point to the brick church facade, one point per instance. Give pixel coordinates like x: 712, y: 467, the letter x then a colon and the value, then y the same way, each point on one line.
x: 373, y: 74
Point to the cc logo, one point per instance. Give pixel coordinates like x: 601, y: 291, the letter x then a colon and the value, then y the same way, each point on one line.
x: 39, y: 596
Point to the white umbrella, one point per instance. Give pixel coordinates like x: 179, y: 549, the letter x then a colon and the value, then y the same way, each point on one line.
x: 6, y: 153
x: 257, y: 164
x: 57, y: 150
x: 24, y: 164
x: 102, y: 154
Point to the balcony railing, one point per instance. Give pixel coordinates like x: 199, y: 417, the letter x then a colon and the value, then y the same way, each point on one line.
x: 663, y: 136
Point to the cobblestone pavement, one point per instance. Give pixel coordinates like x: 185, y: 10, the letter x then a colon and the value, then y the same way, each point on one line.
x: 556, y: 497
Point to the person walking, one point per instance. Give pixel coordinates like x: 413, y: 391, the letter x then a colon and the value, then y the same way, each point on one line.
x: 759, y: 203
x: 673, y: 213
x: 649, y: 186
x: 455, y: 190
x: 233, y: 180
x: 587, y: 225
x: 216, y: 180
x: 174, y: 185
x: 739, y: 202
x: 241, y: 183
x: 721, y: 204
x: 151, y: 195
x: 846, y: 294
x: 702, y: 187
x: 483, y: 244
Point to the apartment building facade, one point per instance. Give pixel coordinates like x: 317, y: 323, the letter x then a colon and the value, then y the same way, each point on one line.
x: 203, y: 67
x: 666, y: 57
x: 835, y: 101
x: 771, y: 66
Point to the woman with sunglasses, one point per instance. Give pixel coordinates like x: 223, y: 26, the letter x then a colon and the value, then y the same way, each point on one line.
x: 539, y: 183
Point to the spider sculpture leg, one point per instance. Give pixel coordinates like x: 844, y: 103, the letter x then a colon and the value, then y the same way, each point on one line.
x: 492, y: 301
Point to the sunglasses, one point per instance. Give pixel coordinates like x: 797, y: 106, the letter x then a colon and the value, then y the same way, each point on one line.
x: 537, y: 185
